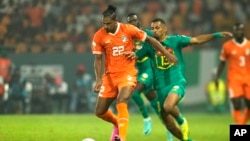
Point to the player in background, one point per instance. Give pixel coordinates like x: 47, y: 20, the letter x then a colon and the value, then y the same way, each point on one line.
x: 114, y: 40
x: 144, y: 82
x: 236, y: 52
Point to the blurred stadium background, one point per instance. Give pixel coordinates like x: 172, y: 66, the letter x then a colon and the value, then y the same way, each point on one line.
x: 54, y: 37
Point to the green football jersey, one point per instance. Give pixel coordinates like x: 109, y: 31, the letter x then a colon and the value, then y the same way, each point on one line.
x: 144, y: 61
x: 144, y: 66
x: 174, y: 73
x: 164, y: 70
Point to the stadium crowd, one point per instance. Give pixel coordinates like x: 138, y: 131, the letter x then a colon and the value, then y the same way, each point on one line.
x: 47, y: 26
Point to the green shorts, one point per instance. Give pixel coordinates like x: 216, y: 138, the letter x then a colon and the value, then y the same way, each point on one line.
x: 178, y: 88
x: 146, y: 78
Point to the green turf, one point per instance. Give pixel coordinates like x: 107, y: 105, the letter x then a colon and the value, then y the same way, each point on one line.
x: 203, y: 127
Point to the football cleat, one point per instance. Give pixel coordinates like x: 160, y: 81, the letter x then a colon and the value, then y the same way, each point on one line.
x: 147, y: 127
x: 114, y: 133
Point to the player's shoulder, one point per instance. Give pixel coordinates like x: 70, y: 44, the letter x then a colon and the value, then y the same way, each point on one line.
x: 178, y: 36
x: 174, y: 38
x: 228, y: 43
x: 100, y: 32
x: 125, y: 25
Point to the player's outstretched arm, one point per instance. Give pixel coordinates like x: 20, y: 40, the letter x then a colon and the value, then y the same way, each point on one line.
x: 157, y: 45
x: 98, y: 72
x: 201, y: 39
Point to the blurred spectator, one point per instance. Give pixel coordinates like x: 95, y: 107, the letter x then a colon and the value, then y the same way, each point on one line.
x: 27, y: 25
x: 81, y: 98
x: 36, y: 13
x: 58, y: 94
x: 19, y: 93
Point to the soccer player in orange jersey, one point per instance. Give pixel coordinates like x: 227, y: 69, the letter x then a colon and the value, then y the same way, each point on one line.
x: 115, y: 41
x: 236, y: 53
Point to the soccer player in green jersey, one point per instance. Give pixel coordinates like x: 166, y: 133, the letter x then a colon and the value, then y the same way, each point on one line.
x: 170, y: 79
x: 144, y: 81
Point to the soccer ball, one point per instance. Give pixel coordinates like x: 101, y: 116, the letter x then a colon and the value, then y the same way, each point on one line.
x: 88, y: 139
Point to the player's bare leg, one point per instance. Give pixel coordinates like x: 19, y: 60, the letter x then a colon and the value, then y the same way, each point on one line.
x: 103, y: 112
x: 170, y: 124
x: 171, y: 108
x: 152, y: 98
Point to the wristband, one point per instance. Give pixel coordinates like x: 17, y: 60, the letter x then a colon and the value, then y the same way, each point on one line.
x: 217, y: 35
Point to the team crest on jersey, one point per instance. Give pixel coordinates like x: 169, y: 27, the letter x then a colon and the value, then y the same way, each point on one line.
x: 129, y: 77
x: 124, y: 38
x: 248, y: 52
x: 145, y: 75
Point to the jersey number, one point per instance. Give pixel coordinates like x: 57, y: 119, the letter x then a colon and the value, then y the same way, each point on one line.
x: 162, y: 63
x: 242, y: 61
x: 117, y: 50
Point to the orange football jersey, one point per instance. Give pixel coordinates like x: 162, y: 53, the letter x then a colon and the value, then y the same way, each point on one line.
x: 113, y: 46
x: 238, y: 58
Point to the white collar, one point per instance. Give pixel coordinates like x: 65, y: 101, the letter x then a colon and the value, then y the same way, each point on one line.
x: 240, y: 44
x: 117, y: 29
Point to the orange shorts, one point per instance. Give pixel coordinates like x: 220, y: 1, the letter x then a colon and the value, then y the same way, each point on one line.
x: 112, y: 82
x: 239, y: 88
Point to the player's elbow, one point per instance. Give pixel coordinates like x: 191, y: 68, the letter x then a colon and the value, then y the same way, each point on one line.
x: 195, y: 41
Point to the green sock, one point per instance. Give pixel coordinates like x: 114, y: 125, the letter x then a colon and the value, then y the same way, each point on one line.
x: 180, y: 119
x: 156, y: 106
x: 140, y: 103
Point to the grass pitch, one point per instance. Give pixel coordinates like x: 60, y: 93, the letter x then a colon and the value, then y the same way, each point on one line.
x: 203, y: 127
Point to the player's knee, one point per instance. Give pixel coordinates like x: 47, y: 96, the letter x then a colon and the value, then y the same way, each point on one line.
x: 122, y: 99
x: 168, y: 107
x: 99, y: 113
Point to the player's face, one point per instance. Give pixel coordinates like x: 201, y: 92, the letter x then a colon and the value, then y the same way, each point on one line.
x: 159, y: 30
x: 109, y: 24
x: 134, y: 20
x: 238, y: 31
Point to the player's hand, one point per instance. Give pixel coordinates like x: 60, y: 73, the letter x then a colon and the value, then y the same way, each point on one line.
x: 226, y: 34
x: 97, y: 87
x: 172, y: 58
x: 130, y: 55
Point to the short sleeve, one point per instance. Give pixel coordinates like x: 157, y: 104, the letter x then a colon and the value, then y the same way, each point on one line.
x: 136, y: 33
x: 184, y: 40
x: 223, y: 54
x: 96, y: 44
